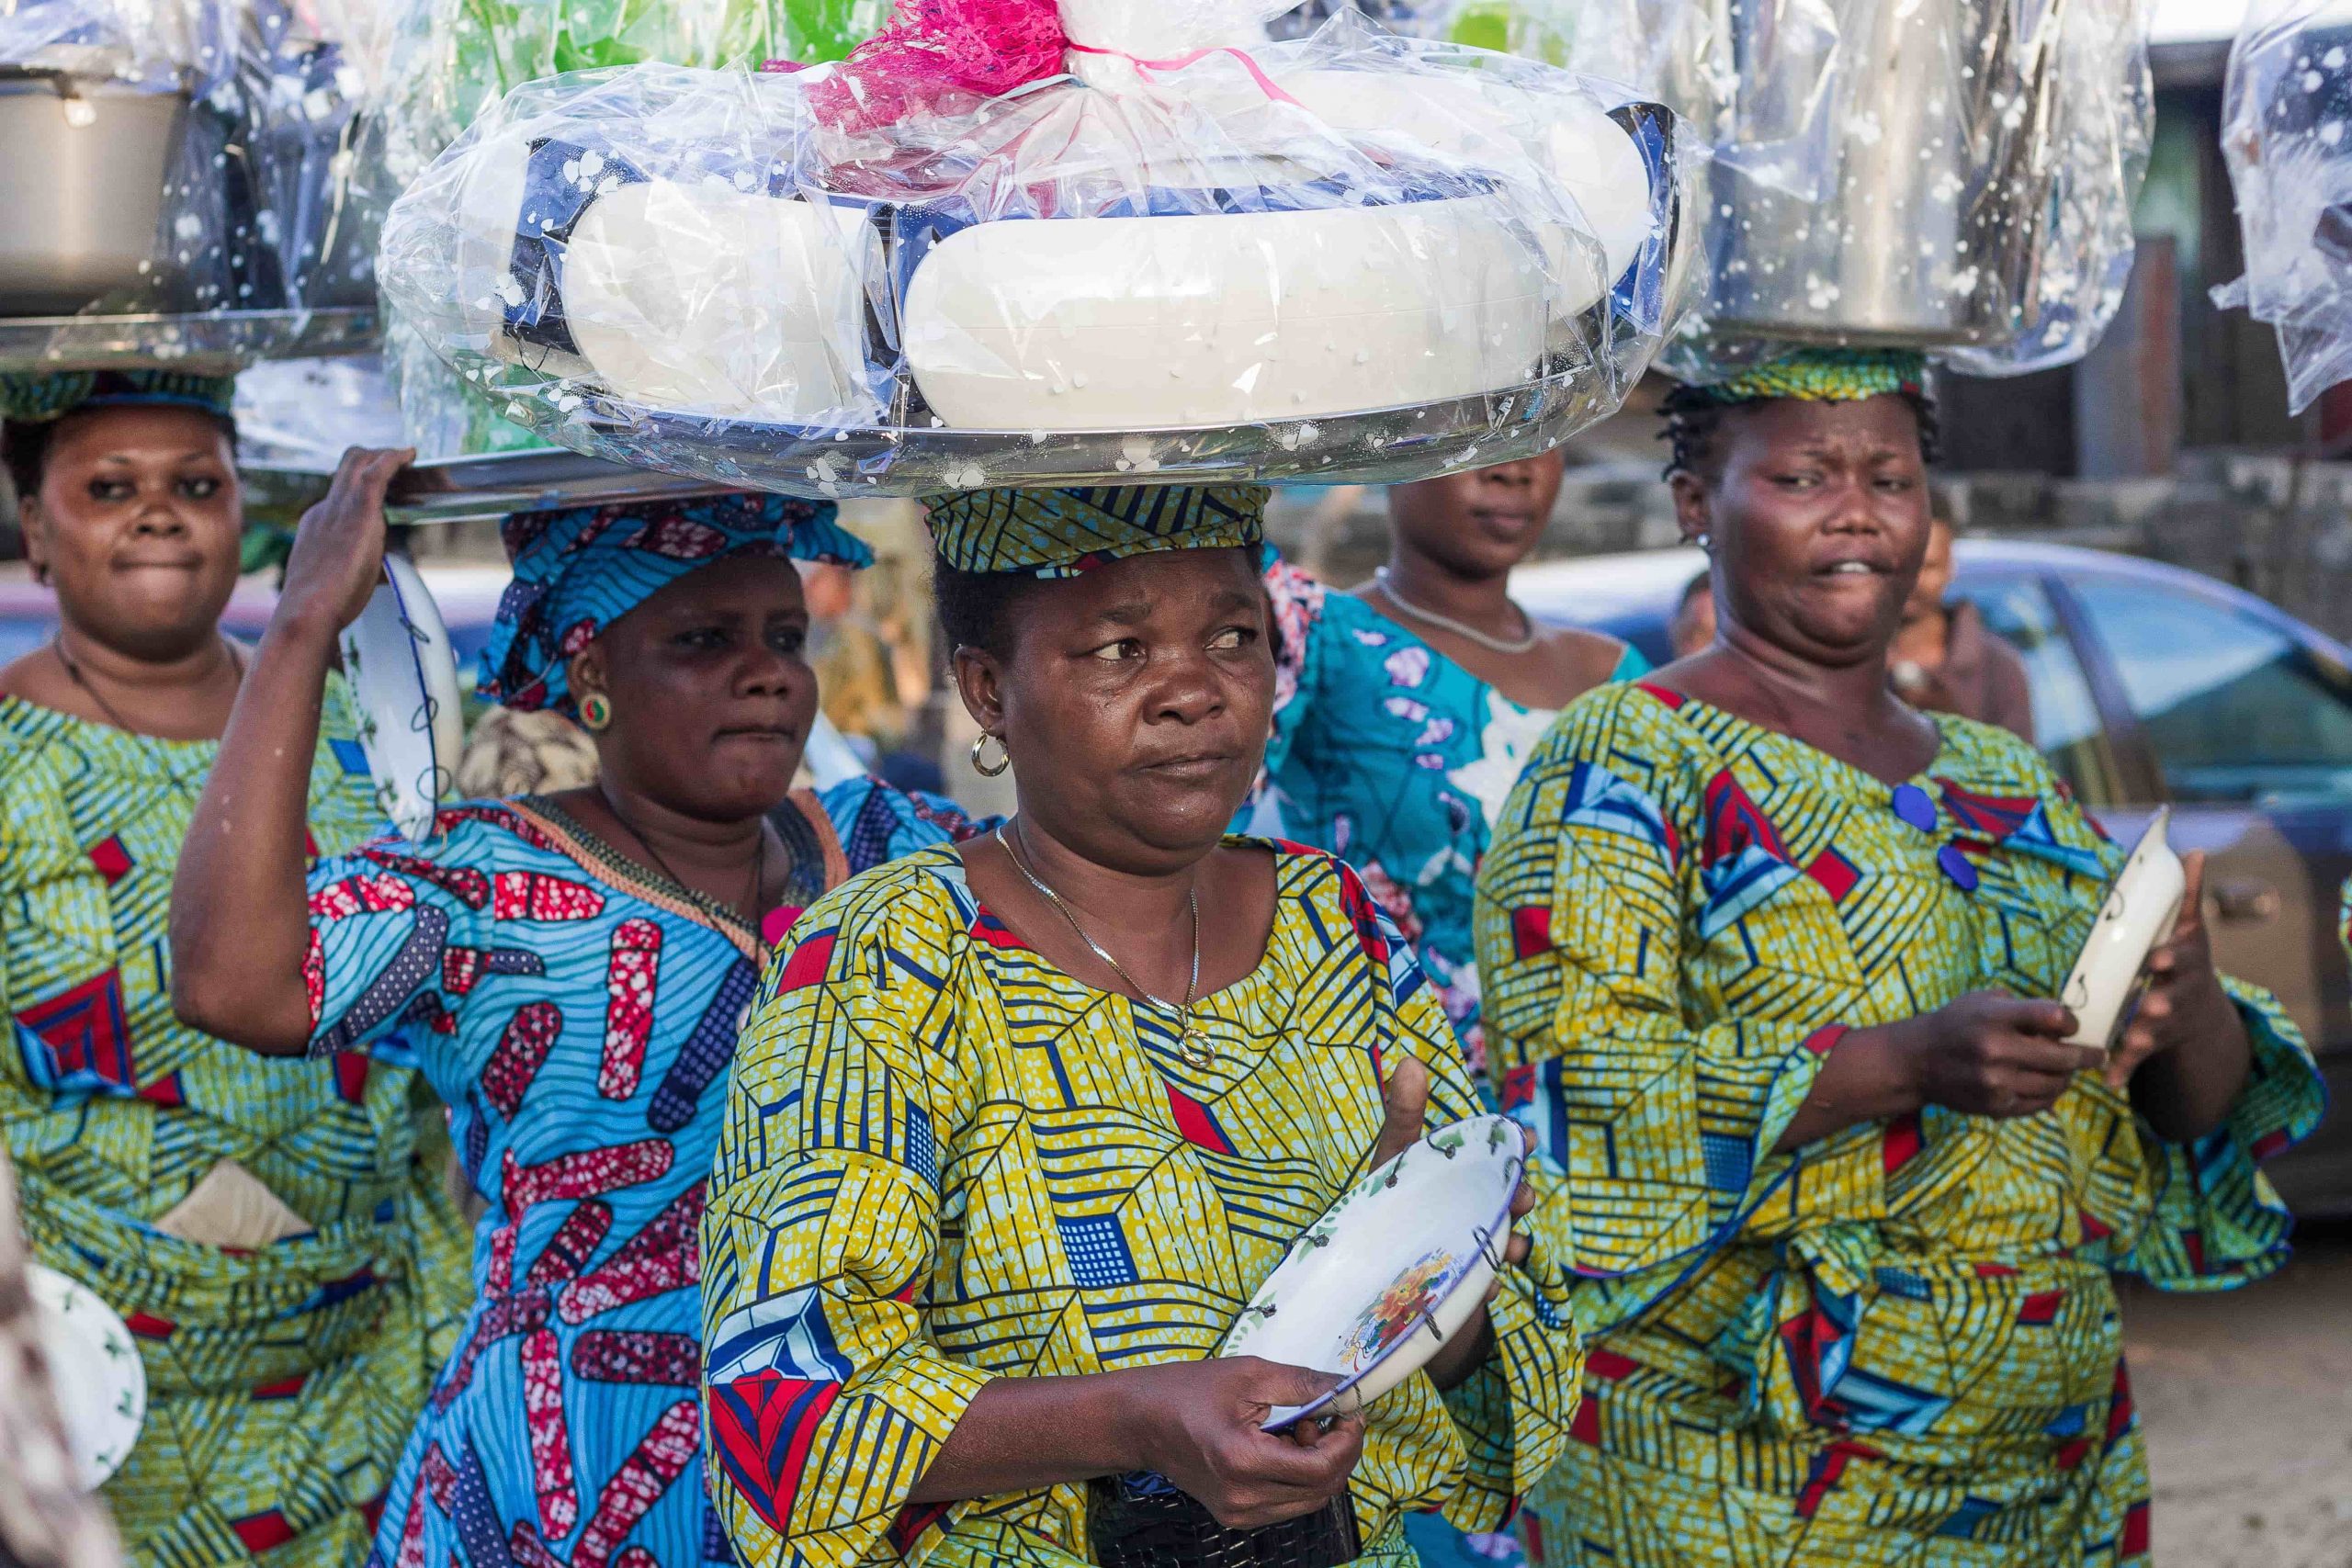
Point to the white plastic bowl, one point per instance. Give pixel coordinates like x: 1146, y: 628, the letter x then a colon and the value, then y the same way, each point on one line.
x: 403, y: 675
x: 1160, y: 322
x: 705, y: 297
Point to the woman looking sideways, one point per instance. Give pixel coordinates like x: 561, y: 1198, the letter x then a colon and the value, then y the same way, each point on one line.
x: 567, y: 970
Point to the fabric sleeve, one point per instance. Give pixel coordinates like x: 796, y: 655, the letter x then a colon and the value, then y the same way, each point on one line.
x: 826, y: 1399
x: 1297, y: 601
x: 1660, y: 1133
x: 1512, y: 1412
x: 2217, y: 1223
x: 399, y: 931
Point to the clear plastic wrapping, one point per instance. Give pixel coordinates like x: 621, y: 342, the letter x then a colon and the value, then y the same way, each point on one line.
x: 2287, y: 135
x: 1951, y: 174
x: 1338, y: 256
x: 449, y: 59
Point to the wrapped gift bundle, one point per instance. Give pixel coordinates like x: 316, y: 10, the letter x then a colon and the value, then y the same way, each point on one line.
x: 2287, y: 135
x: 180, y: 157
x: 1017, y: 242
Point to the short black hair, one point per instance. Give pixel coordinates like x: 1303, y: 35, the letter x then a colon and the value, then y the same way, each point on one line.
x: 25, y: 444
x: 978, y: 608
x: 1693, y: 420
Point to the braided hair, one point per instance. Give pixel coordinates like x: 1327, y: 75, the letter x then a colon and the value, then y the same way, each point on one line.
x: 1694, y: 417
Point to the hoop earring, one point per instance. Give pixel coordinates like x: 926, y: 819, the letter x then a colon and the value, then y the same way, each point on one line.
x: 596, y: 712
x: 1004, y: 755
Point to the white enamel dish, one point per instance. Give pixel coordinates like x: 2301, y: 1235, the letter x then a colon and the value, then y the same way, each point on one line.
x: 404, y: 676
x: 2137, y: 914
x: 1392, y: 1270
x: 95, y: 1370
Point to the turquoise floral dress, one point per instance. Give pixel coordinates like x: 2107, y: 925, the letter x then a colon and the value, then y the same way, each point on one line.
x: 1398, y: 759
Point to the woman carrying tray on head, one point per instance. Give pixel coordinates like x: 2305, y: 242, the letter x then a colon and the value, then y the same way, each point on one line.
x: 567, y: 972
x: 989, y: 1192
x: 275, y: 1234
x: 1406, y: 707
x: 1768, y: 959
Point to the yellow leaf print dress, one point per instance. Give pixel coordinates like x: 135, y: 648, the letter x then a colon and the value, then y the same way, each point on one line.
x: 945, y: 1161
x: 1898, y: 1345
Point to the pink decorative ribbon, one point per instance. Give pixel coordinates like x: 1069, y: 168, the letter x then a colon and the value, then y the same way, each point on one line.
x: 1144, y: 68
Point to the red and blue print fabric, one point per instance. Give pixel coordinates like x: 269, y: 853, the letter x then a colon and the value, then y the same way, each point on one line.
x: 577, y: 1015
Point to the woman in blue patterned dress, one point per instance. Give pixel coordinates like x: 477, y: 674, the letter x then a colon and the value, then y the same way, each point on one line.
x: 1404, y: 709
x: 567, y: 972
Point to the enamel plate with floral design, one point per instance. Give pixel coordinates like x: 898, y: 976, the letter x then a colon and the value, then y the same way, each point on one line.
x: 403, y: 675
x: 94, y: 1370
x: 1393, y: 1269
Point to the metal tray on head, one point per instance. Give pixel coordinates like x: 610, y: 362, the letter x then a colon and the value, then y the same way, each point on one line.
x: 215, y: 341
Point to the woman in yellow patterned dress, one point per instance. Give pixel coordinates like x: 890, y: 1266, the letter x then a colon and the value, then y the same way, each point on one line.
x: 1766, y: 953
x: 989, y: 1195
x: 275, y: 1234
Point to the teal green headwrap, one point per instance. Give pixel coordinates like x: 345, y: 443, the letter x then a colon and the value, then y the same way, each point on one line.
x: 1825, y: 375
x: 1061, y: 533
x: 37, y: 397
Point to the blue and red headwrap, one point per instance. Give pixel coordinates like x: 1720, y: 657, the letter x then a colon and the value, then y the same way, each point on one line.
x: 577, y: 572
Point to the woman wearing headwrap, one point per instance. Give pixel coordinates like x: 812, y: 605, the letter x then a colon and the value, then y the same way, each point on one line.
x: 1769, y: 958
x: 1017, y: 1130
x: 567, y: 970
x: 1406, y: 707
x: 275, y: 1234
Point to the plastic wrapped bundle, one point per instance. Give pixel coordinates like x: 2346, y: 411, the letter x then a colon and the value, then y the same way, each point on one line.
x: 1341, y: 256
x: 2287, y: 134
x: 1951, y: 175
x: 219, y: 131
x: 449, y: 59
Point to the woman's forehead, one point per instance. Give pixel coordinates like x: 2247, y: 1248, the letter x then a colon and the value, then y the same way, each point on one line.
x: 1158, y: 583
x: 96, y: 434
x: 1886, y: 419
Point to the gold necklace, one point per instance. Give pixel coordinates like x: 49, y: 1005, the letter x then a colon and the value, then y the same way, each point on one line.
x: 1191, y: 1043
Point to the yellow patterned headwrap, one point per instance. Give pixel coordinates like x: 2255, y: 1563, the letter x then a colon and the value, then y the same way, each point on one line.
x: 1825, y: 375
x: 1061, y: 533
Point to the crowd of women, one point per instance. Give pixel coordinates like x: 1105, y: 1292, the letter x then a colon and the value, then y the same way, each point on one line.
x: 860, y: 1182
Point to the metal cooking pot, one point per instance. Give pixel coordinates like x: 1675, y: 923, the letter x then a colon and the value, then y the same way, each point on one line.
x: 82, y: 182
x: 1932, y: 212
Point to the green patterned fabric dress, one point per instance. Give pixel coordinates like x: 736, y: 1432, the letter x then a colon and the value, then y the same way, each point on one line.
x: 1899, y: 1345
x: 282, y: 1380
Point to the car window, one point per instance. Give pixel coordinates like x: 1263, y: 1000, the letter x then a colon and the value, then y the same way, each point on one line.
x: 2235, y: 706
x: 2066, y: 720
